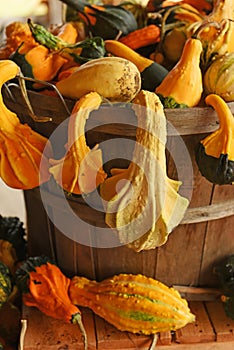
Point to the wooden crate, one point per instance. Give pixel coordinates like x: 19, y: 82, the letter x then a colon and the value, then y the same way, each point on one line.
x: 211, y: 331
x: 203, y: 238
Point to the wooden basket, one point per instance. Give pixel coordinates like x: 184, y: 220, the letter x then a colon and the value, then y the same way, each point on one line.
x: 203, y: 238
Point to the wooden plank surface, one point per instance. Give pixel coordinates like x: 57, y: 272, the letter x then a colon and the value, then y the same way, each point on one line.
x: 223, y: 326
x: 46, y: 333
x: 212, y: 330
x: 108, y: 337
x: 200, y: 331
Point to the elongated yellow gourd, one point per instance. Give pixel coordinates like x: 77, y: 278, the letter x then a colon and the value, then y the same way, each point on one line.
x: 114, y: 78
x: 133, y: 303
x: 147, y: 206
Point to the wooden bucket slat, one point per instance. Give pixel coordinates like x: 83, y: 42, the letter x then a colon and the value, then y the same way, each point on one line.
x: 197, y: 120
x: 218, y: 241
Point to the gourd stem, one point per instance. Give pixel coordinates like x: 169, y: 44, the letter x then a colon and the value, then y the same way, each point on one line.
x: 76, y: 319
x: 22, y: 334
x: 154, y: 342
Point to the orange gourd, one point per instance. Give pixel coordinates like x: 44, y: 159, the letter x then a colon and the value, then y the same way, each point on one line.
x: 147, y: 35
x: 21, y: 149
x: 43, y: 285
x: 183, y: 87
x: 133, y: 303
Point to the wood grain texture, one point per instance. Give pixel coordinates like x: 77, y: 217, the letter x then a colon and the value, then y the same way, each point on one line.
x: 197, y: 120
x: 200, y: 331
x: 46, y: 333
x: 223, y: 326
x: 212, y: 330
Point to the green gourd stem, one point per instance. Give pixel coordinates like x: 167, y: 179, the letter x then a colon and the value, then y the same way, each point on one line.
x: 44, y: 37
x: 91, y: 47
x: 76, y: 319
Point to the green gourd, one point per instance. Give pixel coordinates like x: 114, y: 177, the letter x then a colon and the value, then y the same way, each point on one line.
x: 106, y: 21
x: 5, y: 283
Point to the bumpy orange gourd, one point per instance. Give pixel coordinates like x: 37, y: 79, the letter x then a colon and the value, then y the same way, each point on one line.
x: 21, y: 149
x: 133, y: 303
x: 44, y: 286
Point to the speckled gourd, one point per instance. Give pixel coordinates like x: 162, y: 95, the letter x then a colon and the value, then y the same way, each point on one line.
x: 133, y: 303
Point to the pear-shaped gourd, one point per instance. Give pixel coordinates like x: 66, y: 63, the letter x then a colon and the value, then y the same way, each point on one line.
x: 182, y: 87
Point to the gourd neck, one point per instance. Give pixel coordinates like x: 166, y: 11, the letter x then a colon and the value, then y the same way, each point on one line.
x: 225, y: 116
x: 191, y: 52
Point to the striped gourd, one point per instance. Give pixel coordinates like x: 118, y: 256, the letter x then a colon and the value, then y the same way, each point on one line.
x: 133, y: 303
x: 5, y: 283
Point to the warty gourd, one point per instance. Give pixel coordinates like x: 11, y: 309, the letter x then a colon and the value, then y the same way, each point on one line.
x: 147, y: 207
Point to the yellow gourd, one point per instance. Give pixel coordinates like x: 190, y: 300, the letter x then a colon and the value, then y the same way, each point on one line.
x: 147, y: 206
x: 78, y: 169
x: 133, y: 303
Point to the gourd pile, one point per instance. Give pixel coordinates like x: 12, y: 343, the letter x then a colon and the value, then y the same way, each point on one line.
x: 168, y: 54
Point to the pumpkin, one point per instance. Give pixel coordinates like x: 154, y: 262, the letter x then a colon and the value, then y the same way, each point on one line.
x: 152, y: 73
x: 106, y: 21
x: 23, y: 152
x: 147, y: 206
x: 133, y: 303
x: 80, y: 170
x: 183, y: 87
x: 114, y: 78
x: 80, y: 52
x: 215, y: 153
x: 218, y: 77
x: 43, y: 285
x: 5, y: 283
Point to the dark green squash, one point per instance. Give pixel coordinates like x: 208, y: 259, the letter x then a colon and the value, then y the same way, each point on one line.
x: 5, y: 283
x: 225, y: 273
x: 215, y: 153
x: 12, y: 230
x: 106, y: 21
